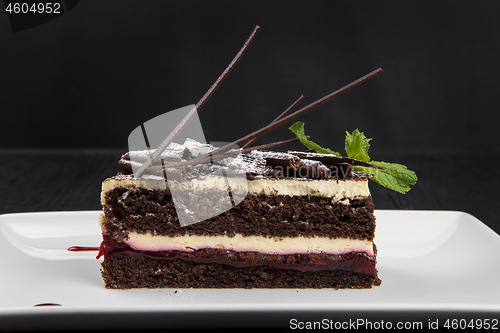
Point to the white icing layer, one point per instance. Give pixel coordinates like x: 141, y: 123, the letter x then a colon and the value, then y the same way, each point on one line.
x: 337, y: 189
x: 240, y: 243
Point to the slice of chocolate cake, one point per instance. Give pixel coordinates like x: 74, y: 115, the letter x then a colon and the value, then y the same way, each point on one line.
x: 297, y: 220
x: 192, y: 216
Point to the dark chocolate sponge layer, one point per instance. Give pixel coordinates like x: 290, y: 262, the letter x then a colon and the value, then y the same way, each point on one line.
x: 130, y: 272
x: 143, y: 210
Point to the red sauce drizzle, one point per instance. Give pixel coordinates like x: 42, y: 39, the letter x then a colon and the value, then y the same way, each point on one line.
x: 83, y: 248
x: 88, y: 248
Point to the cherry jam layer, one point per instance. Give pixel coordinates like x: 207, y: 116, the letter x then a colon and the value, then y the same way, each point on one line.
x: 359, y: 262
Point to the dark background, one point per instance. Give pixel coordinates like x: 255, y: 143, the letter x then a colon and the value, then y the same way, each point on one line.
x: 75, y: 87
x: 86, y: 79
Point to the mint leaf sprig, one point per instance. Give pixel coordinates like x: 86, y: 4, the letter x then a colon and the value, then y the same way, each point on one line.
x: 298, y: 130
x: 394, y: 176
x: 356, y: 145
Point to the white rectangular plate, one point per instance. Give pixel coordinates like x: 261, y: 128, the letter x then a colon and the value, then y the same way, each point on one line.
x: 433, y: 265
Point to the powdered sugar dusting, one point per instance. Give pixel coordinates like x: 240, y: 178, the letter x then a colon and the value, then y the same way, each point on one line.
x: 197, y: 148
x: 247, y: 164
x: 270, y: 154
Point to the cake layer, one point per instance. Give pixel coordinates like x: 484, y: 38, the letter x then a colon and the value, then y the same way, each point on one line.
x: 169, y: 268
x: 125, y: 272
x: 141, y: 210
x: 283, y: 231
x: 240, y: 243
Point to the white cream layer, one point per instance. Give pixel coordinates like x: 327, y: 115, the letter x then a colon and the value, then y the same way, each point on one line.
x: 240, y: 243
x: 337, y: 189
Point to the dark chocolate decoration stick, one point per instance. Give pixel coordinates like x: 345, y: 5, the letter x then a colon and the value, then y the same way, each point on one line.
x: 300, y: 112
x: 309, y: 107
x: 270, y: 145
x: 154, y: 156
x: 229, y: 68
x: 284, y: 113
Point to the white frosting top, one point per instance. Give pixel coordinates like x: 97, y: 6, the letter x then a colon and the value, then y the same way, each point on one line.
x: 337, y: 189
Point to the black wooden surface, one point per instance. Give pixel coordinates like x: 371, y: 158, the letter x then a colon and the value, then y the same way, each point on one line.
x: 70, y: 180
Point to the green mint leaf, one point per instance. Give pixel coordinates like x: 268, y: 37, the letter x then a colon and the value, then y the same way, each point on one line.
x: 396, y: 177
x: 298, y: 130
x: 356, y: 145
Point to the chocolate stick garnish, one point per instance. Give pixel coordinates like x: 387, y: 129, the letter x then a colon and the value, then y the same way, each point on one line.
x: 284, y: 113
x: 300, y: 112
x: 307, y: 108
x: 154, y: 156
x: 270, y: 145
